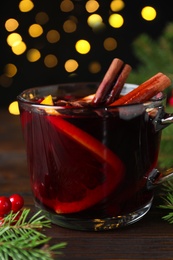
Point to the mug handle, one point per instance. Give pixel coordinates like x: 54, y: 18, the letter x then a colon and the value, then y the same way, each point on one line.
x: 168, y: 119
x: 162, y: 119
x: 156, y: 177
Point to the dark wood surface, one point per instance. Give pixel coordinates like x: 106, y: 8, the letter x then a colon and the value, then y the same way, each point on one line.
x: 150, y: 238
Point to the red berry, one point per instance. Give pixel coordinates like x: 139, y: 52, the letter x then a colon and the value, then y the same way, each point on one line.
x: 5, y: 205
x: 17, y: 202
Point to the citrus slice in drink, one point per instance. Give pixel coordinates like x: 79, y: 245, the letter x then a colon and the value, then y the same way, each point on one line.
x: 91, y: 174
x: 85, y: 172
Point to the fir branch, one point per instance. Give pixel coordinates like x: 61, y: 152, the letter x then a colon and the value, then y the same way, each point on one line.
x: 169, y: 217
x: 167, y: 198
x: 21, y: 239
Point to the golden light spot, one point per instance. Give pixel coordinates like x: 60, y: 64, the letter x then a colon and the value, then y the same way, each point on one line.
x: 66, y: 6
x: 116, y: 20
x: 33, y: 55
x: 50, y: 61
x: 71, y: 65
x: 148, y: 13
x: 10, y: 70
x: 91, y: 6
x: 19, y: 48
x: 94, y: 20
x: 94, y: 67
x: 11, y: 25
x: 82, y: 46
x: 117, y: 5
x: 26, y: 5
x: 110, y: 44
x: 41, y: 18
x: 14, y: 108
x: 69, y: 26
x: 35, y: 30
x: 14, y: 39
x: 53, y: 36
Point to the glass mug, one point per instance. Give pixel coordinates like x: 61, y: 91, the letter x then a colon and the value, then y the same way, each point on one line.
x: 92, y: 168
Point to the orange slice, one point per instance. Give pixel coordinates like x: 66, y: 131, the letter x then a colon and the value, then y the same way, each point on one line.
x: 107, y: 169
x: 112, y: 168
x: 47, y: 100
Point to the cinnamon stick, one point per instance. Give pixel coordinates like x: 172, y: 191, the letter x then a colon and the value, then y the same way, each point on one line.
x: 121, y: 79
x: 110, y: 87
x: 145, y: 91
x: 106, y: 84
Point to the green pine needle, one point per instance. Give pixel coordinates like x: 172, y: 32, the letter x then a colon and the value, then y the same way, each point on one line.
x: 168, y: 200
x: 22, y: 238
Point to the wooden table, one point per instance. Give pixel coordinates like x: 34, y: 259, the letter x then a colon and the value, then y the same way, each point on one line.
x: 150, y: 238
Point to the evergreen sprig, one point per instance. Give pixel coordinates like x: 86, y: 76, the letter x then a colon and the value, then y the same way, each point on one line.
x: 154, y: 55
x: 168, y: 200
x: 21, y: 237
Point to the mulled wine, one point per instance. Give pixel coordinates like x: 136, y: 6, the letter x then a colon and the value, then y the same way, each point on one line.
x: 89, y: 167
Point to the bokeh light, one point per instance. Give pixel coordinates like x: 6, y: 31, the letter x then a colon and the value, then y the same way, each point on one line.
x: 94, y: 20
x: 14, y: 108
x: 19, y: 48
x: 71, y: 65
x: 11, y: 24
x: 110, y: 44
x: 14, y: 39
x: 10, y: 70
x: 26, y: 5
x: 35, y: 30
x: 82, y: 46
x: 116, y: 20
x: 117, y: 5
x: 66, y: 6
x: 94, y: 67
x: 148, y: 13
x: 33, y: 55
x: 52, y: 36
x: 91, y: 6
x: 41, y: 18
x: 69, y: 26
x: 50, y: 61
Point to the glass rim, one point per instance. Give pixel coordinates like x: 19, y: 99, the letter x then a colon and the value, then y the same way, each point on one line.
x: 131, y: 86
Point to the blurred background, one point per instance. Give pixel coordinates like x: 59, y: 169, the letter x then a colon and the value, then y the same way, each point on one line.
x: 57, y: 41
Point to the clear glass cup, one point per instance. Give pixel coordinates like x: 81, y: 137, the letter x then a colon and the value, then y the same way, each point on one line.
x: 92, y: 168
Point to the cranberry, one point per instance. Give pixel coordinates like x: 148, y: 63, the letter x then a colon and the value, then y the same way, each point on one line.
x: 17, y: 202
x: 5, y: 205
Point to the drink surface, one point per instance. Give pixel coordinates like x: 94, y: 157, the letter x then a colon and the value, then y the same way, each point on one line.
x: 93, y: 165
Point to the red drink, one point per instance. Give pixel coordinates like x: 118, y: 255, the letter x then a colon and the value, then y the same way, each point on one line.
x: 89, y: 167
